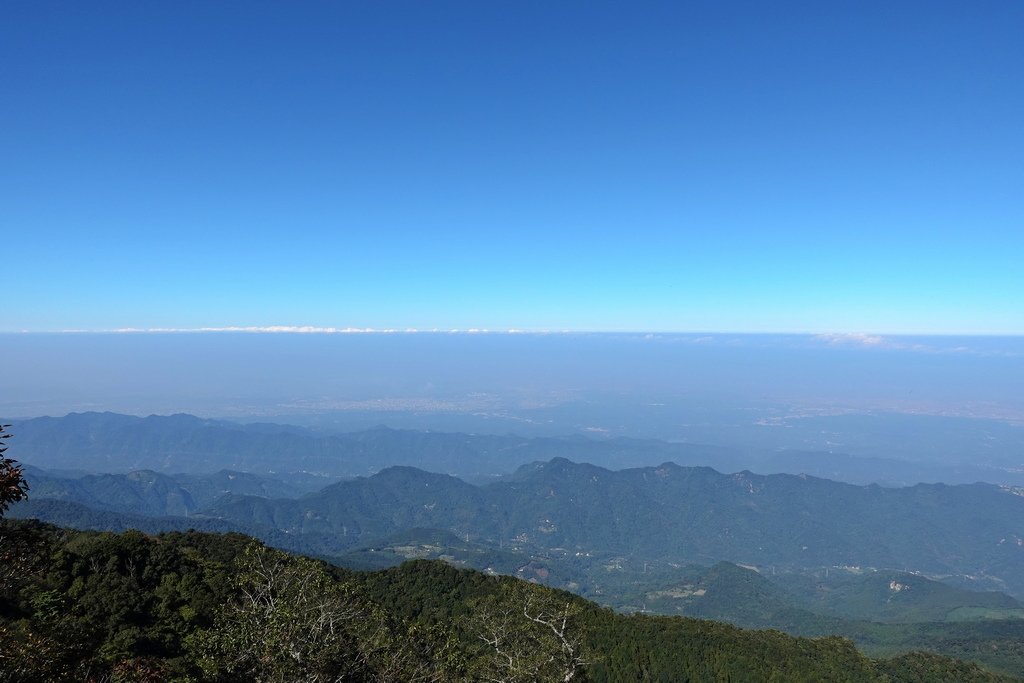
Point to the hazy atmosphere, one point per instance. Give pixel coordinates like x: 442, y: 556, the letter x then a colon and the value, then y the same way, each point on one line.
x: 512, y: 342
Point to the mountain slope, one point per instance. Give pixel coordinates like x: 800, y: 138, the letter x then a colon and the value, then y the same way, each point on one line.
x: 145, y: 492
x: 677, y: 514
x: 134, y: 607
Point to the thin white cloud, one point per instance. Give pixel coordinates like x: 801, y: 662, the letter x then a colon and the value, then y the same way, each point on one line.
x: 297, y: 329
x: 254, y: 329
x: 830, y: 339
x: 874, y: 341
x: 854, y: 339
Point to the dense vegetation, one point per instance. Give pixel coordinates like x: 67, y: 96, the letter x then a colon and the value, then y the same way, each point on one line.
x: 666, y: 514
x: 625, y: 539
x: 145, y: 492
x: 674, y: 514
x: 859, y: 607
x: 12, y: 481
x: 211, y: 607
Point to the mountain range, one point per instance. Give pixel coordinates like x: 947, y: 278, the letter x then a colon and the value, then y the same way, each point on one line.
x: 664, y: 514
x: 891, y: 568
x: 309, y: 458
x: 677, y: 514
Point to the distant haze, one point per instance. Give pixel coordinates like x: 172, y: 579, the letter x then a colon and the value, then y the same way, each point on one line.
x: 272, y: 375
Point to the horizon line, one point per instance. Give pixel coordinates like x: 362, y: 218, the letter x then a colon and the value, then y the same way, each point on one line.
x: 825, y: 335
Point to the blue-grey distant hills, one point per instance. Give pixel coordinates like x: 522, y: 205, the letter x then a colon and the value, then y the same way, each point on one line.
x: 110, y: 442
x: 677, y: 514
x: 666, y: 513
x: 306, y: 459
x: 145, y: 492
x: 666, y: 516
x: 253, y: 477
x: 634, y: 524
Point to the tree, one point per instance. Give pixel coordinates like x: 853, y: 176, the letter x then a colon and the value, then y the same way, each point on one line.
x: 12, y: 480
x: 531, y: 634
x: 16, y: 545
x: 290, y: 620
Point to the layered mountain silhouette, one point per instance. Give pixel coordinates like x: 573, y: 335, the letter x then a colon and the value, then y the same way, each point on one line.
x: 307, y: 459
x: 678, y: 514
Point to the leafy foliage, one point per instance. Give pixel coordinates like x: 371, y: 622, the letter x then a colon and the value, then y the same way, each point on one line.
x: 529, y: 635
x: 13, y: 486
x: 204, y: 607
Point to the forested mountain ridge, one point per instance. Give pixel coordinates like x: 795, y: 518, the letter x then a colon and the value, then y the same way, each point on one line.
x: 704, y: 515
x: 676, y: 514
x: 982, y: 627
x: 597, y: 532
x: 748, y: 598
x: 201, y: 607
x: 145, y: 492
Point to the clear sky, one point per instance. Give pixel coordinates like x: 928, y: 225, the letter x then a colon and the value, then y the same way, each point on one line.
x: 737, y: 166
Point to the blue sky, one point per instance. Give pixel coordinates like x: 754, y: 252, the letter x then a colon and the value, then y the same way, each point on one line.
x: 733, y: 166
